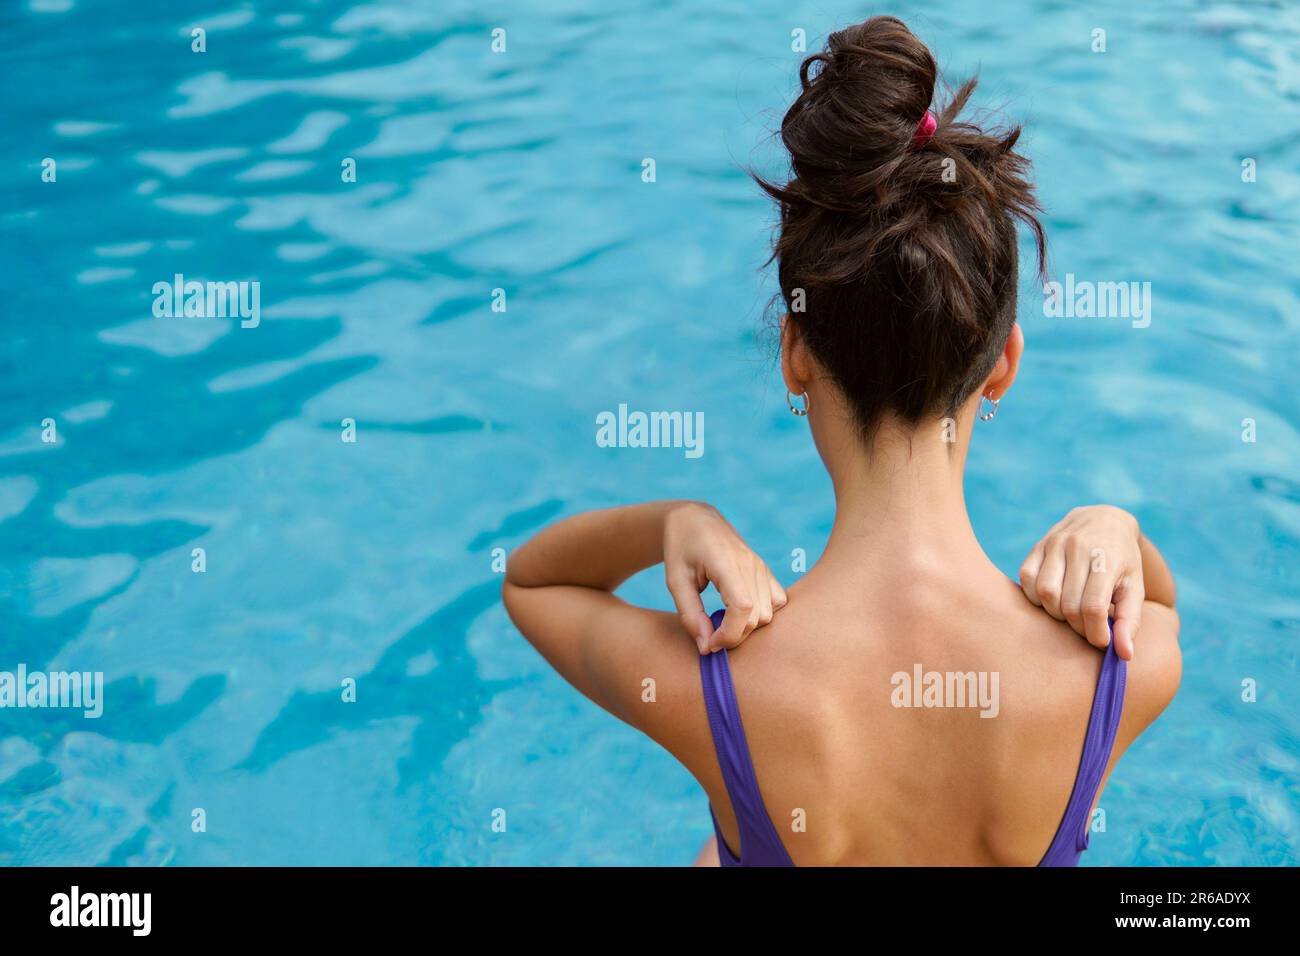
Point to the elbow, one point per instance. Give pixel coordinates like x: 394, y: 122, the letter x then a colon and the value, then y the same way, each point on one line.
x: 507, y: 595
x: 512, y: 600
x: 510, y: 588
x: 517, y: 598
x: 522, y: 567
x: 522, y: 590
x: 512, y: 571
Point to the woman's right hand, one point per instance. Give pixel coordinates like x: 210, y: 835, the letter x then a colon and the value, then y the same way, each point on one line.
x: 1089, y: 562
x: 701, y: 547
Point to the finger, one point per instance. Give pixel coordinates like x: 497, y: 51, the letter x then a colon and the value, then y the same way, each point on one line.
x: 1051, y: 577
x: 1029, y: 573
x: 1077, y: 569
x: 746, y: 623
x: 1096, y: 608
x: 763, y: 593
x: 736, y: 594
x: 1129, y: 596
x: 779, y: 597
x: 690, y: 609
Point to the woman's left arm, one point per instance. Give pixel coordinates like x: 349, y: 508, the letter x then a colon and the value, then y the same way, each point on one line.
x: 559, y: 593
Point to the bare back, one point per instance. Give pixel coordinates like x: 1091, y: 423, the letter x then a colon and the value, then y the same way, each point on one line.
x: 854, y: 772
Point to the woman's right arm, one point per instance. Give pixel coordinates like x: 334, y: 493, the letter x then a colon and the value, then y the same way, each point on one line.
x: 1094, y: 564
x: 1156, y: 577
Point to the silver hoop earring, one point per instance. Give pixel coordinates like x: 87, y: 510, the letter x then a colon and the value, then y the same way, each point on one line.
x: 987, y: 416
x: 795, y: 409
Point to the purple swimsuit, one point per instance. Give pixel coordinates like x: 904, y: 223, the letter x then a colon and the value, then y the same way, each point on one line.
x: 761, y: 845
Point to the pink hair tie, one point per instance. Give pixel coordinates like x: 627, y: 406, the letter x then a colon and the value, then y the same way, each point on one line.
x: 924, y: 130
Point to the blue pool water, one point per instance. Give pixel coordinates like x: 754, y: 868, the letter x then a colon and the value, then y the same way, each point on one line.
x: 521, y: 171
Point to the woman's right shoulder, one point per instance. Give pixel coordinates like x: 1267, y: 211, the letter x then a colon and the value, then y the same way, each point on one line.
x: 1154, y: 673
x: 1069, y: 665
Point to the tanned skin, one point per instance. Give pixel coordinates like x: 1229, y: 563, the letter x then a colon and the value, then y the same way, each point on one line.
x: 902, y: 580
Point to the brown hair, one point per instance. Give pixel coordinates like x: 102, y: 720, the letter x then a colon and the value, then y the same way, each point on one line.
x: 908, y: 281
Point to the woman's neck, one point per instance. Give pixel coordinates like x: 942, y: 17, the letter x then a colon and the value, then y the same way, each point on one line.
x: 900, y: 503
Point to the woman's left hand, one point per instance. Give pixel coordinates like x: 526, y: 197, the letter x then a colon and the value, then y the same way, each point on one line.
x: 701, y: 547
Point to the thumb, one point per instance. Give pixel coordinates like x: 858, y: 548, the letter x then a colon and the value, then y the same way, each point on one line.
x: 690, y: 610
x: 1128, y: 616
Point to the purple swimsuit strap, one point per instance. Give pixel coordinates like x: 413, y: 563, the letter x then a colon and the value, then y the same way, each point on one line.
x: 1103, y: 723
x: 760, y: 843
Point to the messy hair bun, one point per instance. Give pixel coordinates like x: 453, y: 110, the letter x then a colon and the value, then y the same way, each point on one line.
x: 899, y: 247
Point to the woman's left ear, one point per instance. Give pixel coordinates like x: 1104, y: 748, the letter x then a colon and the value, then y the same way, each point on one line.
x: 1008, y: 364
x: 791, y: 364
